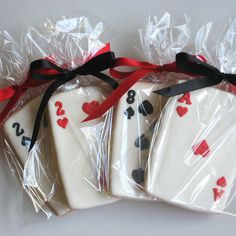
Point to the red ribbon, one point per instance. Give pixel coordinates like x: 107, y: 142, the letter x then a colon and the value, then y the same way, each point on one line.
x: 131, y: 78
x: 14, y: 92
x: 106, y: 48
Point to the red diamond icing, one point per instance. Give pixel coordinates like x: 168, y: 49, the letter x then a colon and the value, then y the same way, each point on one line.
x: 62, y: 122
x: 221, y: 182
x: 90, y: 107
x: 217, y: 193
x: 201, y: 148
x: 181, y: 110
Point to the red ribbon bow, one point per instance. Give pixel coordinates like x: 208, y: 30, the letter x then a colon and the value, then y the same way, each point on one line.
x: 131, y: 78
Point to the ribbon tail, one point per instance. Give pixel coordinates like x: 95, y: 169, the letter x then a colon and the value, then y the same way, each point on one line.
x: 117, y: 94
x: 50, y: 90
x: 7, y: 93
x: 187, y: 86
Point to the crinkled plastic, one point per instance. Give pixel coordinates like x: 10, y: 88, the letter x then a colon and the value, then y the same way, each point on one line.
x: 14, y: 138
x: 60, y: 172
x: 131, y: 123
x: 192, y: 159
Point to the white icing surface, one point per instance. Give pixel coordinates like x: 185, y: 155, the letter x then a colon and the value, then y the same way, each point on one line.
x: 125, y: 156
x: 76, y: 147
x: 175, y: 173
x: 25, y: 117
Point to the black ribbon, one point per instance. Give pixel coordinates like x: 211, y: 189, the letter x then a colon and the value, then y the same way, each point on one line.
x: 207, y: 74
x: 92, y: 67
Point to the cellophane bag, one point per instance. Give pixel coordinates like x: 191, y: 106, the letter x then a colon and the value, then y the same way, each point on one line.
x: 60, y: 172
x: 192, y: 159
x: 131, y: 122
x: 15, y: 121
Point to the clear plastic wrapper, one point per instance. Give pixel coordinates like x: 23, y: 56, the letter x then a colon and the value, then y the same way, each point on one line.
x: 14, y: 137
x: 60, y: 172
x: 131, y: 123
x: 192, y: 161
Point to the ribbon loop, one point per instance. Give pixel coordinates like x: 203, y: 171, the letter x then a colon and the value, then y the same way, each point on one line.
x: 45, y: 64
x: 209, y: 76
x: 191, y: 64
x: 97, y: 64
x: 94, y: 65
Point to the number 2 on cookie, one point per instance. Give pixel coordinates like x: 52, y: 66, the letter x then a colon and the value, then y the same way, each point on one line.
x: 19, y: 131
x: 60, y: 111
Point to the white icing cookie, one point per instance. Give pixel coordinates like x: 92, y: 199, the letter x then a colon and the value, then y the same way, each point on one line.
x: 18, y: 130
x: 193, y: 162
x: 75, y: 145
x: 133, y: 123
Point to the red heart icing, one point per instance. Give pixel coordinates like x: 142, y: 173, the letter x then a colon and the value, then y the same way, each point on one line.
x: 62, y: 122
x: 221, y: 182
x: 217, y: 193
x: 90, y: 107
x: 201, y: 149
x: 181, y: 110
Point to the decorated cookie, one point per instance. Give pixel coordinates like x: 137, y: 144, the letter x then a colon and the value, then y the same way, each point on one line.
x: 134, y: 120
x: 75, y: 145
x: 192, y: 162
x: 17, y: 131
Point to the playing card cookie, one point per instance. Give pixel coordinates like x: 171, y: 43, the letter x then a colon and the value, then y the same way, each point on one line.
x: 193, y: 160
x: 17, y: 131
x: 134, y: 120
x: 75, y: 145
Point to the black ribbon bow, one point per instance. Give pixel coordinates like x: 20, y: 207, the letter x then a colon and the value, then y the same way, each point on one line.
x: 92, y: 67
x: 207, y: 74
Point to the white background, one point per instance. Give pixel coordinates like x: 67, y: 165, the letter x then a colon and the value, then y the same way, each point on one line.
x: 125, y: 217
